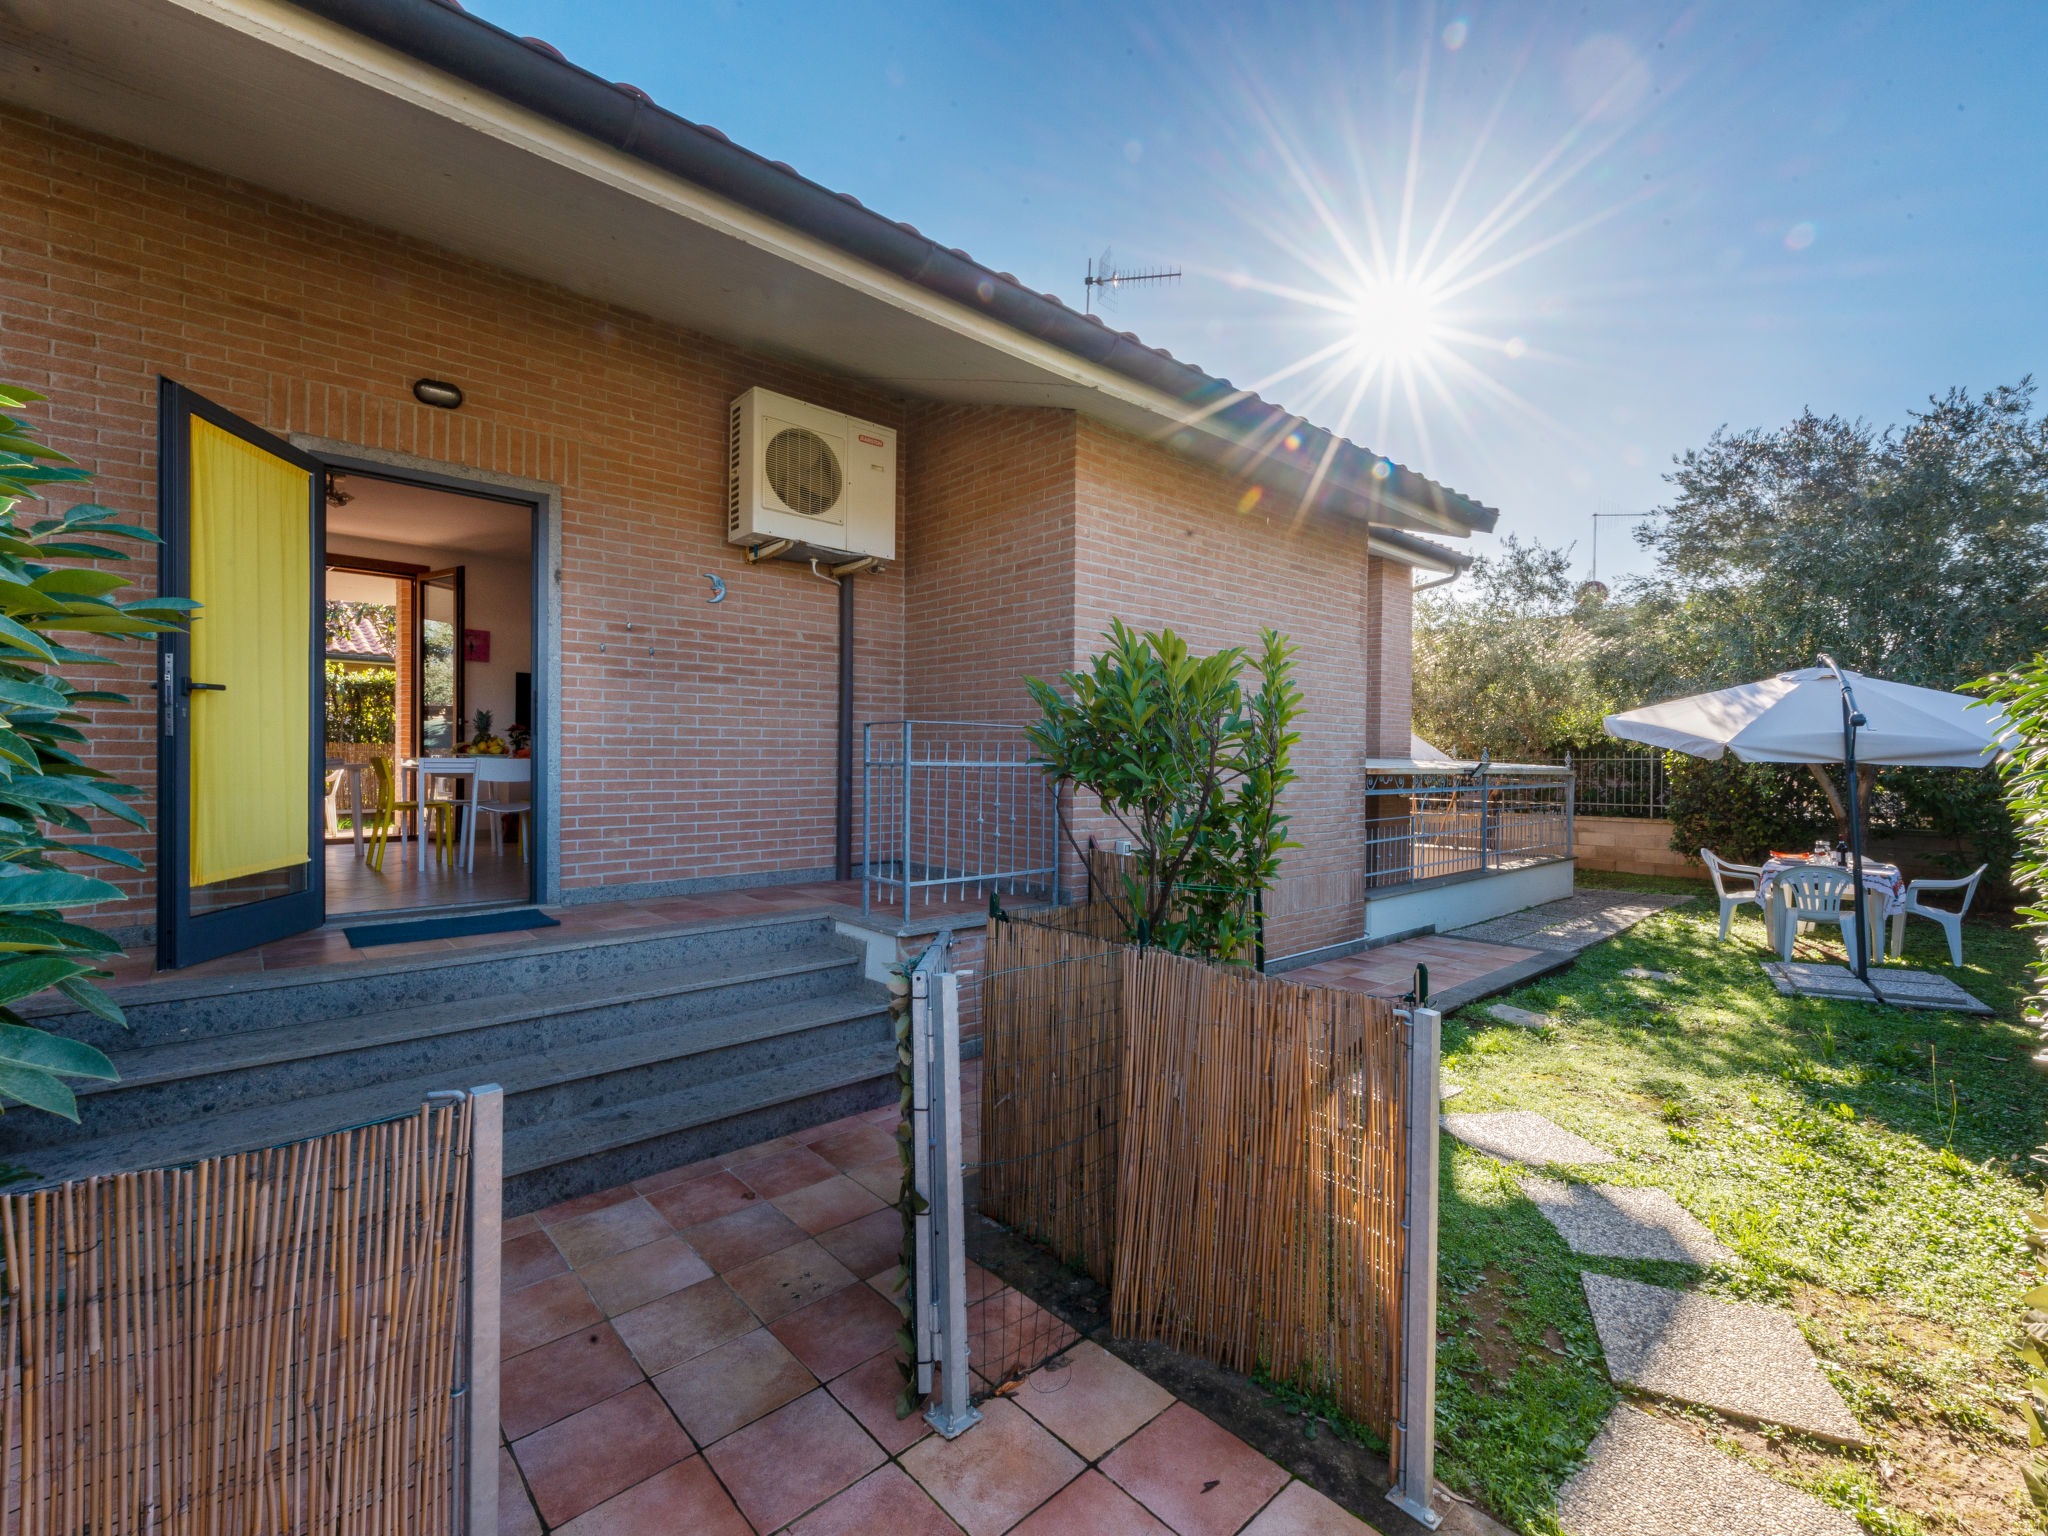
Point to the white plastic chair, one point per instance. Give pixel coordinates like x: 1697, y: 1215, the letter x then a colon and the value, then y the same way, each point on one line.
x: 1719, y: 870
x: 1813, y: 893
x: 498, y: 811
x: 1951, y: 922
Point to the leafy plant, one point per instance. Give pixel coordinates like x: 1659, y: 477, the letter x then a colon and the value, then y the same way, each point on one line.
x: 2024, y: 693
x: 361, y: 705
x: 1742, y: 810
x: 1192, y: 765
x: 45, y: 789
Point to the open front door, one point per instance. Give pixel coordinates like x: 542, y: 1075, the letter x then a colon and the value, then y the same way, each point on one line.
x: 239, y: 728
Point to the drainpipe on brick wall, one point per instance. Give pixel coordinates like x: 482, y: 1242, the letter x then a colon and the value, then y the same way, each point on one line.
x: 842, y: 859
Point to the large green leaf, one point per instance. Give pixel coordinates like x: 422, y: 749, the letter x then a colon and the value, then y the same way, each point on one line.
x: 24, y: 639
x: 26, y: 975
x: 54, y: 888
x: 37, y: 1089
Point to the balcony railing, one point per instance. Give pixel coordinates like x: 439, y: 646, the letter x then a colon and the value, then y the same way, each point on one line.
x: 1427, y: 826
x: 953, y: 812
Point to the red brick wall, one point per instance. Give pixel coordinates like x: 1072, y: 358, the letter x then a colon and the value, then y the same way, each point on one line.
x: 1164, y: 542
x: 711, y: 757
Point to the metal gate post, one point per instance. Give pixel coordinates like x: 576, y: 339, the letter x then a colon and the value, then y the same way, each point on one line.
x: 1414, y: 1487
x: 486, y: 1234
x: 953, y: 1413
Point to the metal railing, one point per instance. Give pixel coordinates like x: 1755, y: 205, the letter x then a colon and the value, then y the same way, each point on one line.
x: 1621, y: 784
x: 954, y: 811
x: 1426, y: 826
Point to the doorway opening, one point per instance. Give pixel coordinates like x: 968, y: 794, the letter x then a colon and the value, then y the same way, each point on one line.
x: 428, y: 635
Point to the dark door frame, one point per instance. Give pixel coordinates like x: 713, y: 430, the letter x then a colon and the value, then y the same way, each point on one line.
x: 183, y: 937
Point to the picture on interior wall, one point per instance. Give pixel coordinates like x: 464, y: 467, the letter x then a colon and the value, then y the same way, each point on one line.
x: 476, y: 645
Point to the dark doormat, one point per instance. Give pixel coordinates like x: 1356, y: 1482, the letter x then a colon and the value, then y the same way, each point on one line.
x: 371, y: 934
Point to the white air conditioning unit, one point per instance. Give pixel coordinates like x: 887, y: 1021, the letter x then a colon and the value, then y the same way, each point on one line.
x: 821, y: 478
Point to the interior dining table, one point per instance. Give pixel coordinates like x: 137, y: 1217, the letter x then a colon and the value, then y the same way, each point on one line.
x: 475, y: 772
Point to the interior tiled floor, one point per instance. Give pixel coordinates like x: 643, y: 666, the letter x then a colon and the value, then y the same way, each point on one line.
x: 712, y: 1351
x: 355, y: 889
x: 1390, y: 970
x: 328, y: 945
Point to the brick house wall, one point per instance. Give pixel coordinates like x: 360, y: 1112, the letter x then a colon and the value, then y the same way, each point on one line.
x: 713, y: 757
x: 1022, y: 531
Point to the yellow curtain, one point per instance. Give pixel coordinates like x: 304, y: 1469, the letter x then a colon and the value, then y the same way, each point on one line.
x: 251, y: 542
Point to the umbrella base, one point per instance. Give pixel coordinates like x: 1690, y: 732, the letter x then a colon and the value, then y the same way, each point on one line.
x: 1900, y: 988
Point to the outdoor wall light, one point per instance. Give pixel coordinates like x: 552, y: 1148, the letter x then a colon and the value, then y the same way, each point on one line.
x: 437, y: 392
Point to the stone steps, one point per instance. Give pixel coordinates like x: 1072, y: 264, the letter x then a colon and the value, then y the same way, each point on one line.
x: 618, y: 1056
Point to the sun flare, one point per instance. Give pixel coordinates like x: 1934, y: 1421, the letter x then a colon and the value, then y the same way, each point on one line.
x: 1395, y: 321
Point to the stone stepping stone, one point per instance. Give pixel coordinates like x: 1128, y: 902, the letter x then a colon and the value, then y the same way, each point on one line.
x: 1523, y: 1136
x: 1616, y: 1223
x: 1522, y: 1018
x: 1450, y: 1091
x: 1638, y: 973
x: 1750, y: 1362
x: 1645, y: 1477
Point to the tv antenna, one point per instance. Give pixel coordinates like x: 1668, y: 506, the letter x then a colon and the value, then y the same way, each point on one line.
x: 1104, y: 274
x: 1593, y: 584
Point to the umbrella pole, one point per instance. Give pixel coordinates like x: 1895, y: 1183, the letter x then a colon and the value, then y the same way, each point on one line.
x: 1852, y: 717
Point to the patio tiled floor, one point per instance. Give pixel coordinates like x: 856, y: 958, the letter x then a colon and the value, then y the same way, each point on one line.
x: 710, y: 1351
x: 1389, y: 971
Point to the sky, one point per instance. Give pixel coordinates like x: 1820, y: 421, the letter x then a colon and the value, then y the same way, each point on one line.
x: 1533, y: 251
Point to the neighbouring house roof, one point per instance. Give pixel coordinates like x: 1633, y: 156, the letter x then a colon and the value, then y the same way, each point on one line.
x: 418, y: 118
x: 361, y: 632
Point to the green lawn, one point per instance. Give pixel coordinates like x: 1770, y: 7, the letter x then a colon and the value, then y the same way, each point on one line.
x: 1868, y: 1166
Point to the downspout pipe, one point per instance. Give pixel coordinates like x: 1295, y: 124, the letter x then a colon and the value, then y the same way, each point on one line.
x: 1852, y: 721
x: 842, y: 858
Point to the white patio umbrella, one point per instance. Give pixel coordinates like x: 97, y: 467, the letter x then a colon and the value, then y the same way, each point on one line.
x: 1825, y: 714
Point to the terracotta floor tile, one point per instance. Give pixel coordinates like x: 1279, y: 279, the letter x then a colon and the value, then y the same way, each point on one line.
x: 884, y: 1178
x: 668, y: 1178
x: 731, y: 1386
x: 793, y: 1460
x: 758, y: 1149
x: 682, y: 1500
x: 524, y: 1260
x: 884, y: 1503
x: 563, y: 1377
x: 1011, y: 1333
x: 859, y: 1143
x: 1091, y: 1399
x: 834, y: 1335
x: 519, y: 1226
x: 778, y: 1283
x: 516, y: 1516
x: 683, y: 1325
x: 1168, y: 1464
x: 829, y: 1203
x: 869, y: 1393
x: 1091, y: 1505
x: 996, y: 1473
x: 702, y: 1199
x: 867, y: 1246
x: 600, y: 1234
x: 743, y: 1236
x: 830, y: 1128
x: 640, y: 1275
x: 1301, y: 1511
x: 583, y: 1460
x: 540, y: 1313
x: 780, y: 1172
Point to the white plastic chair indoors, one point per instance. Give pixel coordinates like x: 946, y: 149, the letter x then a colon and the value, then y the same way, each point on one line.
x: 1730, y: 900
x: 1812, y: 893
x: 1951, y: 922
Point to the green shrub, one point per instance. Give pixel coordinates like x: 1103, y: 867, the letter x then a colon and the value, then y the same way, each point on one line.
x: 361, y: 706
x: 1741, y: 811
x: 45, y: 789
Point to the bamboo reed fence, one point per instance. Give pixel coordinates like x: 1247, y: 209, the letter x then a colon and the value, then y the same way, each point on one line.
x: 1052, y: 1055
x: 1263, y: 1169
x: 262, y: 1343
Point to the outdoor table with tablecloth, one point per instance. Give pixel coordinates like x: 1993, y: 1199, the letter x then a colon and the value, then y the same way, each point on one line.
x: 1885, y: 885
